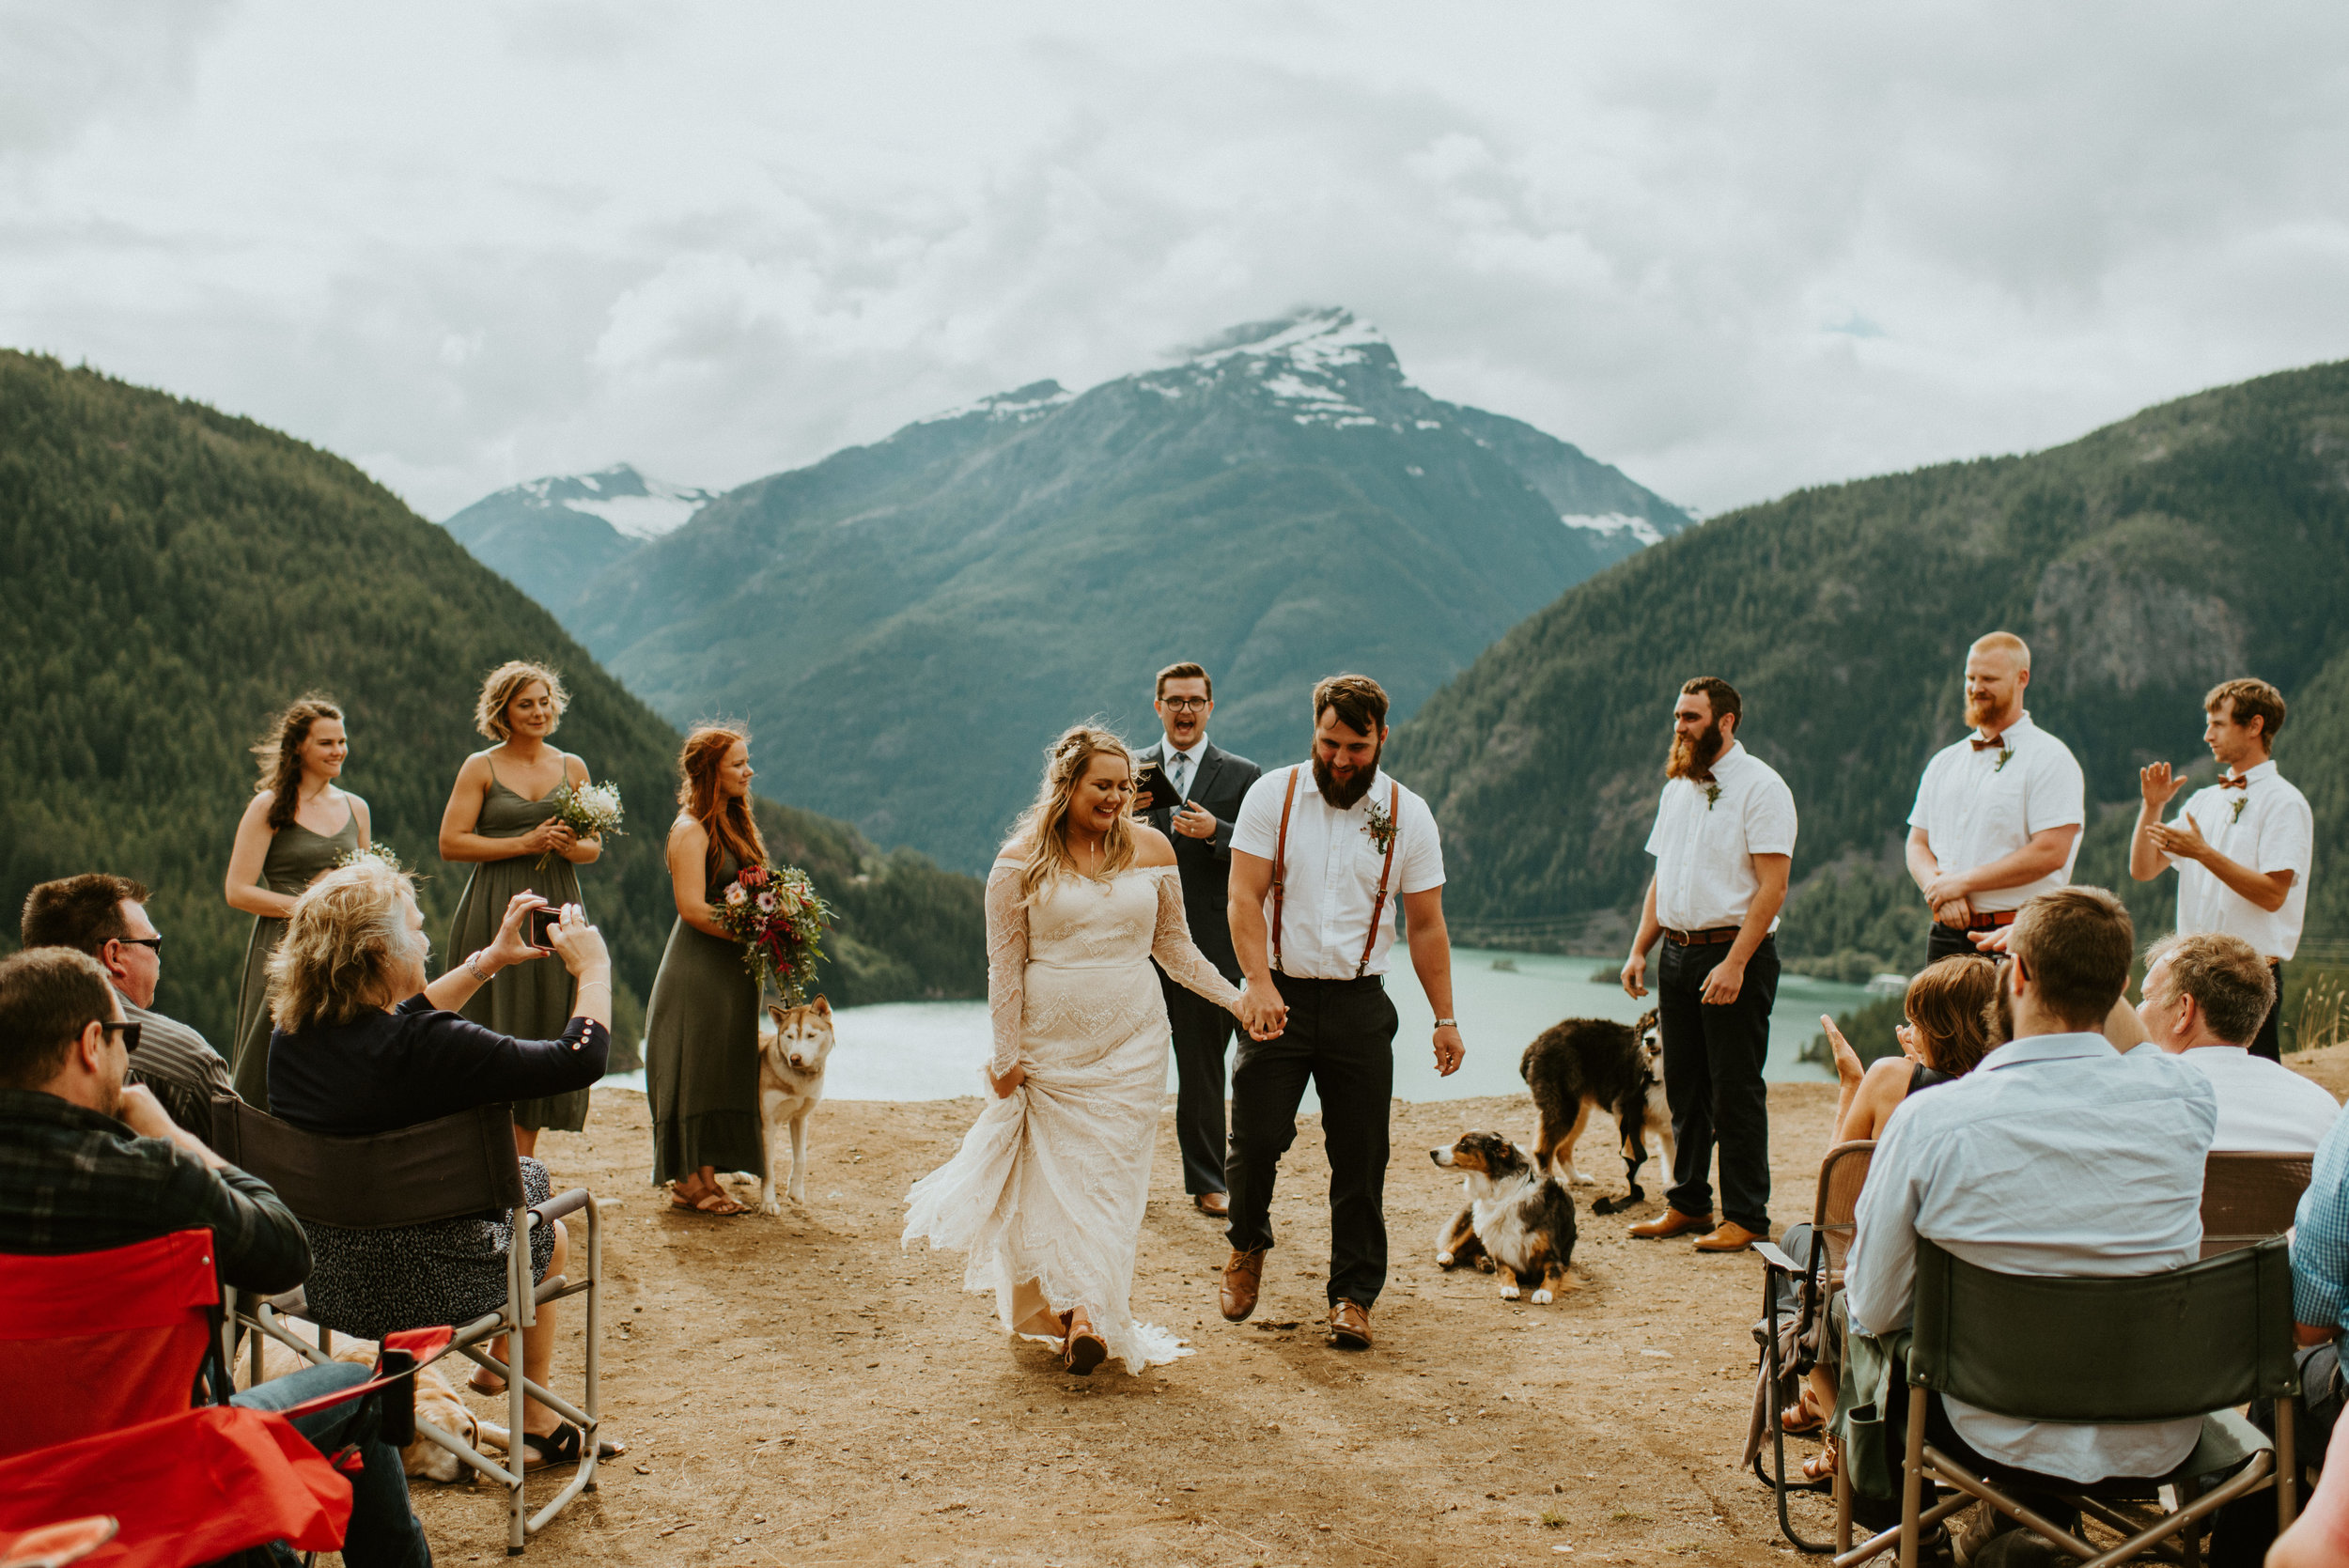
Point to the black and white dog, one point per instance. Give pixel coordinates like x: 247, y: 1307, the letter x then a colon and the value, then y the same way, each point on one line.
x: 1585, y: 1063
x: 1519, y: 1220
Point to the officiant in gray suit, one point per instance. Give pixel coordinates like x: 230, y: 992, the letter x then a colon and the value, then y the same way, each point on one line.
x: 1211, y: 784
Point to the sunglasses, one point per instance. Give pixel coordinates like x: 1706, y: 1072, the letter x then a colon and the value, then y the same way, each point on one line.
x: 153, y: 944
x: 129, y: 1030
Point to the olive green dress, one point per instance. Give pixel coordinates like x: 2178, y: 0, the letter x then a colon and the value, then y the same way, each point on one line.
x: 297, y: 857
x: 525, y: 1002
x: 701, y: 1052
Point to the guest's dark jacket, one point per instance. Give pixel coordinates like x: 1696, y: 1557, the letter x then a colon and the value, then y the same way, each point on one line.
x: 73, y: 1181
x: 1205, y: 863
x: 418, y: 1063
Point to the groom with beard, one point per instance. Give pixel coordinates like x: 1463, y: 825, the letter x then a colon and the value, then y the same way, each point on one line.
x: 1323, y: 853
x: 1723, y: 843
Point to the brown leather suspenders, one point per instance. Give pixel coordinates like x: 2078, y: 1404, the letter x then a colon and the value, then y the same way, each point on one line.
x: 1386, y: 871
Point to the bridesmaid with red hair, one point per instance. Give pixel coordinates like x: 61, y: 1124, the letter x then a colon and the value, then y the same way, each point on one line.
x: 701, y: 1046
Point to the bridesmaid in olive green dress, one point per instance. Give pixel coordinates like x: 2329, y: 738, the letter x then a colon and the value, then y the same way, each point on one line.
x: 501, y: 818
x: 701, y: 1028
x: 299, y: 824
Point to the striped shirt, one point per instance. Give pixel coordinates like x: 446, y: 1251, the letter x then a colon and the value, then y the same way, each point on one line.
x: 179, y: 1066
x: 73, y: 1181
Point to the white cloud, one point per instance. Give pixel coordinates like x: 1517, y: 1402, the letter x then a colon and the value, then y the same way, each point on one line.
x: 1732, y: 249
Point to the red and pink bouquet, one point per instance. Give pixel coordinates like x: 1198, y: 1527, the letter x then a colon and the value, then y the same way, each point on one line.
x: 776, y: 916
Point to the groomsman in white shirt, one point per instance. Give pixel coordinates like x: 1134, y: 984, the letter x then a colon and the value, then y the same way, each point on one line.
x: 1723, y: 842
x: 2243, y: 846
x: 1998, y: 815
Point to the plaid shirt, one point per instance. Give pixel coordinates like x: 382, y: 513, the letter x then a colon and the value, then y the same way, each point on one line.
x: 2320, y: 1236
x: 73, y: 1181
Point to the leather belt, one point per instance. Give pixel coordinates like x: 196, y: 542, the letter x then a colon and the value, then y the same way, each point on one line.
x: 1991, y: 921
x: 1712, y: 938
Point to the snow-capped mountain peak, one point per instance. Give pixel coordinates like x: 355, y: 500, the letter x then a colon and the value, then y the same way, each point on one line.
x: 636, y: 505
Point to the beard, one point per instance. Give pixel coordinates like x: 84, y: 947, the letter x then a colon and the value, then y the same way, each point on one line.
x: 1689, y: 758
x: 1343, y: 796
x: 1981, y: 715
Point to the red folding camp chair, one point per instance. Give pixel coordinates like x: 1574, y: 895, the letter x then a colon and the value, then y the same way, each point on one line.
x: 99, y: 1358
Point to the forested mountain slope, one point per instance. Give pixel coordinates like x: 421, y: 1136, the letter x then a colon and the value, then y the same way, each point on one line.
x: 907, y: 624
x: 175, y: 574
x: 2201, y: 539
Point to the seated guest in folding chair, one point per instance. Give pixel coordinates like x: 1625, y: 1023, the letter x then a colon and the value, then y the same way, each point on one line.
x: 89, y: 1163
x: 1944, y: 1033
x: 2056, y: 1155
x: 106, y: 918
x: 362, y: 1045
x: 2205, y: 997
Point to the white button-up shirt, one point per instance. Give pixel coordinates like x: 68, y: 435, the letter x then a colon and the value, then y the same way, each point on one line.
x: 2265, y: 824
x: 2263, y: 1104
x: 2056, y: 1156
x: 1334, y: 868
x: 1981, y: 806
x: 1707, y: 835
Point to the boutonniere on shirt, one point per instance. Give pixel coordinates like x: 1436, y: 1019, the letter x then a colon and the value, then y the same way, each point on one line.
x: 1380, y: 827
x: 2238, y: 811
x: 2006, y: 754
x: 1712, y: 794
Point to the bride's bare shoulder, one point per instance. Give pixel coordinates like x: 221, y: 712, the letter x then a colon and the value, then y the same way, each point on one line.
x: 1151, y: 847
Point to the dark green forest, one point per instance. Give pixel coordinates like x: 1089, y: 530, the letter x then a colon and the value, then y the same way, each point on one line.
x: 175, y: 574
x: 2202, y: 539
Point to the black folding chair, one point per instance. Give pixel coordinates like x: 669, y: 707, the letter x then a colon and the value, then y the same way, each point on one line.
x: 2249, y: 1195
x: 2191, y: 1344
x: 458, y: 1165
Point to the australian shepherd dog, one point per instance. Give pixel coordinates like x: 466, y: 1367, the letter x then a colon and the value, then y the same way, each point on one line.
x: 1584, y: 1064
x: 1519, y: 1221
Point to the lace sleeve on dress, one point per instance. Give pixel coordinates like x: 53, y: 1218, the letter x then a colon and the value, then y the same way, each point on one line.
x: 1177, y: 954
x: 1006, y: 964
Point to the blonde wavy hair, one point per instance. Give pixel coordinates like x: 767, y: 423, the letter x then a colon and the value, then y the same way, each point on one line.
x: 503, y: 684
x: 1066, y: 762
x: 347, y: 945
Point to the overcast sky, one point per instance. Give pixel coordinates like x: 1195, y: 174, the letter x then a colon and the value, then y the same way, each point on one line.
x: 1730, y: 248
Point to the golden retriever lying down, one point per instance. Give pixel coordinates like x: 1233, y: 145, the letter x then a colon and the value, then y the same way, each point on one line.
x: 436, y: 1402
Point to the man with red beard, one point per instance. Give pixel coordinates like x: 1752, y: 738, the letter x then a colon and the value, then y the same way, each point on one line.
x: 1723, y: 842
x: 1998, y: 814
x: 1322, y: 854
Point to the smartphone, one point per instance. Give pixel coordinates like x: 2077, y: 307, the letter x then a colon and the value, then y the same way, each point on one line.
x: 1153, y: 791
x: 542, y: 921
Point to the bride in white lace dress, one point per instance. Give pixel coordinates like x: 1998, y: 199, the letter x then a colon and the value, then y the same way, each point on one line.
x: 1047, y: 1192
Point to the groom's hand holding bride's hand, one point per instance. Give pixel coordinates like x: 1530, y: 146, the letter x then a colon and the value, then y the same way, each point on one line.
x: 1009, y: 1081
x: 1261, y: 1012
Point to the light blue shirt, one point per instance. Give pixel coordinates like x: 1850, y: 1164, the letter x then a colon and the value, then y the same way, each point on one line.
x: 2320, y: 1236
x: 2058, y: 1155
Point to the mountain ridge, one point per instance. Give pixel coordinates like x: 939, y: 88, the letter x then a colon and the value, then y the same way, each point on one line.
x: 551, y: 535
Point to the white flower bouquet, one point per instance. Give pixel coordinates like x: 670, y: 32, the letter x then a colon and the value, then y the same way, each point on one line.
x: 591, y: 811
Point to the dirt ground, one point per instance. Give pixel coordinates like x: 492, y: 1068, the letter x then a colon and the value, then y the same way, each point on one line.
x: 797, y: 1390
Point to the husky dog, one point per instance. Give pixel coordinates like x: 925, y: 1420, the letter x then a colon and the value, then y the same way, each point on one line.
x: 791, y: 1058
x: 1518, y: 1217
x: 1583, y: 1065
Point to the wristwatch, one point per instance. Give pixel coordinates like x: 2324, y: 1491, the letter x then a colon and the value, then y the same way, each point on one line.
x: 1447, y: 1023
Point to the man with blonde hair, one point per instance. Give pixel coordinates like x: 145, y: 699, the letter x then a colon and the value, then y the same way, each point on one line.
x: 2205, y: 994
x: 2243, y: 846
x: 1998, y: 812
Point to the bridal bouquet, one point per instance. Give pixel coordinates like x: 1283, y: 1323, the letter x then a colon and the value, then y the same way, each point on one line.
x: 588, y: 810
x: 776, y: 916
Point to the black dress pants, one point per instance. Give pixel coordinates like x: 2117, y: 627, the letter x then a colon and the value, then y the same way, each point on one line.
x: 1202, y: 1031
x: 1943, y: 943
x: 2269, y: 1041
x: 1340, y: 1036
x: 1713, y: 1059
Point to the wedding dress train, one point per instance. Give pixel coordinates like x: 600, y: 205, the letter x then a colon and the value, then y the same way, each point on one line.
x: 1047, y: 1192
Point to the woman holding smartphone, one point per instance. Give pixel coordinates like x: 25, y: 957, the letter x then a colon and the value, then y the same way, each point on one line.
x: 501, y: 818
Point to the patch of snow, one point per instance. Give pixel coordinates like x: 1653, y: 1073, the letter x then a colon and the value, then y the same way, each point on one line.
x: 1023, y: 404
x: 642, y: 516
x: 1314, y: 340
x: 1295, y: 390
x: 593, y: 482
x: 1613, y: 522
x: 1428, y: 424
x: 638, y: 507
x: 1415, y: 471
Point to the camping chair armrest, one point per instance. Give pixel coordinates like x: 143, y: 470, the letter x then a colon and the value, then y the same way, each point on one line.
x: 1775, y: 1258
x: 557, y: 1207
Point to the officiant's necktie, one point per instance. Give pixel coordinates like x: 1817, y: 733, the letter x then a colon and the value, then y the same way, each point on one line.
x: 1182, y: 775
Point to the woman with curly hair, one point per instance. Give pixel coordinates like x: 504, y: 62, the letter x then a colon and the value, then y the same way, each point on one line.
x: 1048, y: 1190
x: 501, y: 818
x: 299, y: 825
x: 701, y: 1028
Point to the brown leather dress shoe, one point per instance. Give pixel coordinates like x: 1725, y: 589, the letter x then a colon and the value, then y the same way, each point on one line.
x: 1349, y: 1326
x: 1213, y: 1204
x: 1242, y: 1278
x: 1731, y: 1237
x: 1670, y: 1222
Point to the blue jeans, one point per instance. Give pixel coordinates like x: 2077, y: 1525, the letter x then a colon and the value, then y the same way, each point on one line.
x: 385, y: 1532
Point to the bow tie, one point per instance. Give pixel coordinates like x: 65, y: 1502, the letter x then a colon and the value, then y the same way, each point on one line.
x: 1981, y: 745
x: 2241, y: 781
